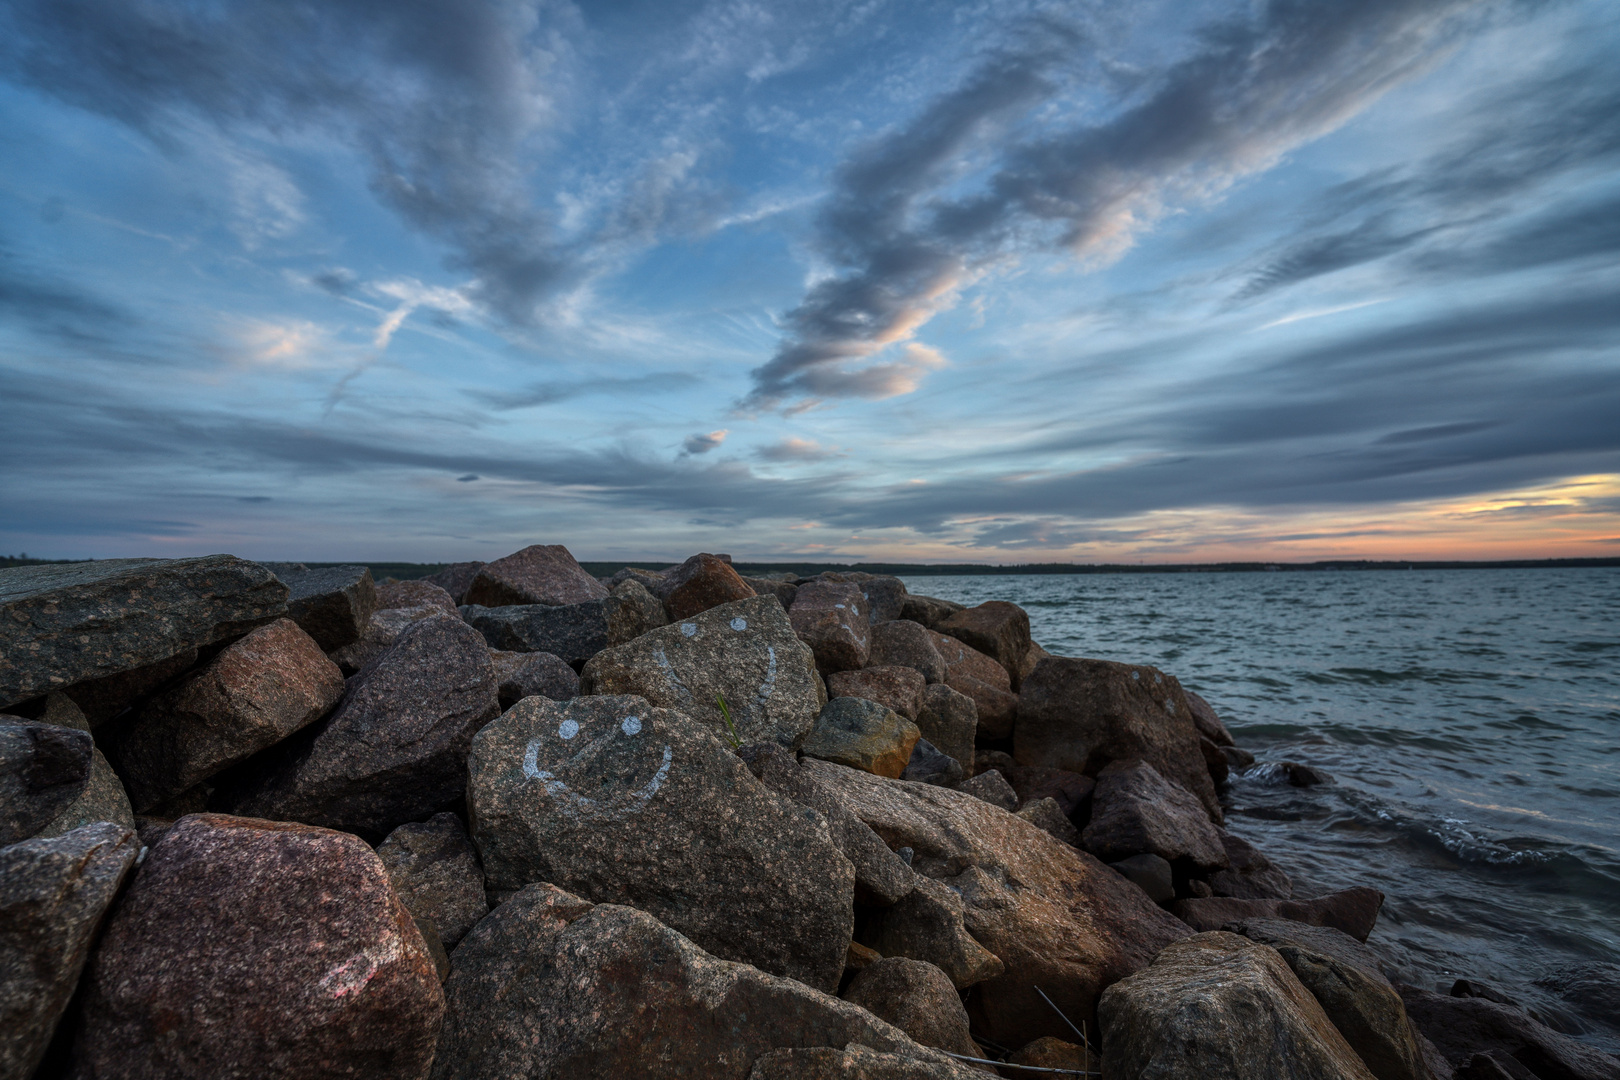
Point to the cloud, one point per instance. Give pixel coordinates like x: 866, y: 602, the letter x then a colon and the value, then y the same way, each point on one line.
x: 702, y: 444
x: 552, y: 392
x: 792, y: 449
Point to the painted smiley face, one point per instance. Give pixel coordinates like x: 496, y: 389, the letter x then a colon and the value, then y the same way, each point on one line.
x: 601, y: 770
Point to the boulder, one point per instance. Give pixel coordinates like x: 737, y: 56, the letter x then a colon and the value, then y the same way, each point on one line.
x: 1462, y: 1027
x: 979, y: 677
x: 399, y: 605
x: 332, y: 604
x: 1081, y: 714
x: 1354, y: 911
x: 1054, y: 916
x: 621, y: 802
x: 863, y: 735
x: 895, y: 687
x: 1216, y: 761
x: 552, y: 985
x: 1219, y: 1005
x: 100, y: 700
x: 1032, y: 656
x: 928, y: 765
x: 997, y: 629
x: 102, y: 798
x: 950, y: 720
x: 65, y: 623
x: 575, y: 632
x: 258, y: 948
x: 745, y: 652
x: 1249, y: 875
x: 885, y: 594
x: 853, y: 1062
x: 1151, y: 874
x: 43, y: 769
x: 927, y: 925
x: 1237, y: 759
x: 1049, y: 1053
x: 257, y: 692
x: 1070, y: 790
x: 1135, y: 810
x: 421, y: 592
x: 901, y: 643
x: 539, y: 574
x: 919, y: 999
x: 831, y: 618
x: 649, y: 579
x: 1204, y: 719
x: 1591, y: 989
x: 784, y: 591
x: 1324, y: 940
x: 927, y: 610
x: 632, y: 611
x: 435, y: 874
x: 53, y: 895
x: 395, y: 749
x: 993, y: 788
x: 1048, y: 815
x: 456, y: 579
x: 698, y: 584
x: 523, y: 674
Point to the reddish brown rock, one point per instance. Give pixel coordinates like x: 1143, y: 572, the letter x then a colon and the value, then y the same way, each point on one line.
x: 1034, y: 655
x: 539, y: 574
x: 416, y: 593
x: 950, y: 720
x: 259, y: 949
x: 996, y: 628
x: 1049, y: 816
x: 1135, y: 811
x: 831, y: 618
x: 254, y: 694
x: 399, y: 604
x: 1354, y: 911
x: 971, y: 672
x: 1467, y: 1028
x: 435, y: 874
x: 907, y: 644
x: 456, y: 579
x: 1049, y: 1053
x: 919, y: 999
x: 1080, y: 715
x: 897, y: 688
x: 927, y: 610
x: 698, y: 584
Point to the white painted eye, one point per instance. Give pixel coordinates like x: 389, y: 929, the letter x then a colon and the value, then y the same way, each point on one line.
x: 840, y: 607
x: 1136, y: 675
x: 689, y: 629
x: 1169, y: 706
x: 1158, y: 678
x: 567, y: 729
x: 630, y: 725
x: 739, y: 625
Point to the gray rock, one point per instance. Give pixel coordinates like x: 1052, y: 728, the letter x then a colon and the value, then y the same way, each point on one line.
x: 1151, y: 874
x: 744, y: 651
x: 1048, y: 815
x: 1135, y: 810
x: 1362, y: 1005
x: 854, y: 1062
x: 257, y: 692
x: 1324, y: 940
x: 632, y: 611
x: 523, y: 674
x: 43, y: 769
x: 103, y: 797
x: 1249, y: 875
x: 863, y: 735
x: 927, y: 925
x: 1071, y: 791
x: 394, y: 751
x: 1462, y: 1027
x: 895, y: 687
x: 420, y: 592
x: 435, y: 874
x: 919, y: 999
x: 1353, y: 910
x: 332, y: 604
x: 53, y: 895
x: 575, y: 632
x: 385, y: 627
x: 927, y: 610
x: 902, y: 643
x: 456, y: 579
x: 552, y: 985
x: 833, y: 619
x: 928, y: 765
x: 950, y: 720
x: 65, y: 623
x: 1208, y: 723
x: 101, y: 700
x: 539, y: 574
x: 885, y: 594
x: 625, y: 803
x: 991, y: 787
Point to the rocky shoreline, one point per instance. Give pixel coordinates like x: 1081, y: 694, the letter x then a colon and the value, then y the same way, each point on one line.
x: 513, y: 820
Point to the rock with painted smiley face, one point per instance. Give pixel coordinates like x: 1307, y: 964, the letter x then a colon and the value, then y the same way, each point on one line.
x: 624, y: 803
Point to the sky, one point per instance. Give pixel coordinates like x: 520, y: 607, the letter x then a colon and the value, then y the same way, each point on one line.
x: 432, y: 280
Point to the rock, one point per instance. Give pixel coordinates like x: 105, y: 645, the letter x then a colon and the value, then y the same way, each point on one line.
x: 902, y: 643
x: 927, y: 610
x: 1197, y: 888
x: 928, y: 765
x: 1135, y: 810
x: 831, y: 618
x: 745, y: 652
x: 698, y: 584
x: 1215, y: 760
x: 863, y: 735
x: 885, y: 594
x: 539, y: 574
x: 1219, y: 1005
x: 456, y: 579
x: 43, y: 769
x: 993, y: 788
x: 102, y: 799
x: 1151, y: 874
x: 332, y: 604
x: 1071, y: 791
x: 1237, y: 759
x: 523, y: 674
x: 1081, y: 714
x: 919, y: 999
x: 434, y: 946
x: 53, y: 895
x: 575, y: 632
x: 394, y: 751
x: 881, y: 877
x: 399, y: 595
x: 1056, y: 917
x: 1495, y: 1065
x: 997, y: 629
x: 1204, y: 719
x: 64, y: 623
x: 259, y: 948
x: 1249, y: 874
x: 927, y: 925
x: 1592, y: 989
x: 1049, y: 1053
x: 895, y: 687
x: 632, y: 611
x: 979, y: 677
x: 435, y: 874
x: 1481, y: 989
x: 648, y: 579
x: 1354, y: 911
x: 257, y: 692
x: 399, y: 604
x: 1465, y: 1026
x: 950, y: 720
x: 1032, y: 656
x: 1324, y: 940
x: 551, y: 985
x: 1299, y: 775
x: 1046, y: 814
x: 853, y: 1062
x: 622, y: 802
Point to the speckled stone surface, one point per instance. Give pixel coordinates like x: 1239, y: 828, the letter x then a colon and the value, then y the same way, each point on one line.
x: 919, y: 999
x: 927, y: 925
x: 395, y: 749
x: 436, y: 874
x: 539, y: 574
x: 103, y: 797
x: 1136, y: 811
x: 43, y: 769
x: 63, y: 623
x: 971, y: 672
x: 456, y: 578
x: 833, y: 618
x: 950, y: 720
x: 550, y: 986
x: 895, y: 687
x: 700, y: 583
x: 856, y: 1062
x: 621, y: 802
x: 996, y: 628
x: 908, y: 644
x: 521, y: 674
x: 885, y: 594
x: 575, y: 632
x: 259, y: 949
x: 331, y: 603
x: 863, y: 735
x: 53, y: 894
x: 254, y: 694
x: 745, y: 651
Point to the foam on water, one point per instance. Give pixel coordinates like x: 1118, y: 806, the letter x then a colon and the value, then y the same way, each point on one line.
x: 1470, y: 718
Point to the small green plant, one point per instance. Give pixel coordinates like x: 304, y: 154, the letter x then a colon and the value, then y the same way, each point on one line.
x: 725, y: 714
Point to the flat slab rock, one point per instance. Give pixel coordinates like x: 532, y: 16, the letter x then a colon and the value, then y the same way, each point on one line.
x: 1353, y: 911
x: 552, y: 985
x: 621, y: 802
x: 65, y: 623
x: 251, y: 948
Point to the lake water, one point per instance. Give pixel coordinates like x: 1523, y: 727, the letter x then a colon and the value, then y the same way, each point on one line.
x: 1471, y: 722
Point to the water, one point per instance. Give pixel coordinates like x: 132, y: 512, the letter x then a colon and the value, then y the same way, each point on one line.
x: 1470, y: 718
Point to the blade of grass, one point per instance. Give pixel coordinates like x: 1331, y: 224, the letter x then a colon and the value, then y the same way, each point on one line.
x: 725, y: 714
